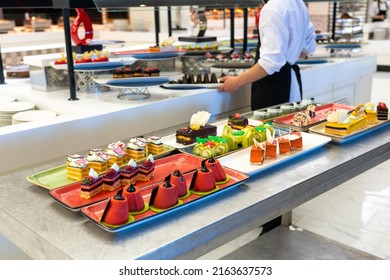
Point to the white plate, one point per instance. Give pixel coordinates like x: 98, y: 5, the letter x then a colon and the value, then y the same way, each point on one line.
x: 6, y: 99
x: 14, y: 107
x: 33, y: 115
x: 240, y: 160
x: 97, y: 66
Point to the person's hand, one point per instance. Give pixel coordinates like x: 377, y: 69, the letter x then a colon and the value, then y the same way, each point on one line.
x: 229, y: 84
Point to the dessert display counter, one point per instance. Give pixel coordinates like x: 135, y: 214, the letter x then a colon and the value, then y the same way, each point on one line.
x: 46, y: 230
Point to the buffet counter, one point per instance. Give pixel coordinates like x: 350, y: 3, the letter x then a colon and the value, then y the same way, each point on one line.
x: 44, y: 229
x: 99, y: 119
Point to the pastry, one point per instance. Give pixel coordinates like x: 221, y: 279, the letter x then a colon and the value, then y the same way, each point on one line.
x: 271, y: 149
x: 129, y: 173
x: 164, y: 196
x: 136, y: 148
x: 237, y: 121
x: 116, y: 211
x: 210, y: 146
x: 203, y: 180
x: 91, y: 185
x: 369, y: 110
x: 198, y: 127
x: 257, y: 154
x: 180, y: 183
x: 145, y: 170
x: 295, y: 141
x: 215, y: 166
x: 339, y: 122
x: 238, y: 138
x: 154, y: 145
x: 98, y: 160
x: 112, y: 178
x: 284, y: 146
x: 135, y: 199
x: 116, y: 153
x: 154, y: 71
x: 76, y: 167
x: 382, y: 111
x: 301, y: 119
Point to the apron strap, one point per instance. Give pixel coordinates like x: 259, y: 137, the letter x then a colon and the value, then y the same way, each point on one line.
x: 297, y: 71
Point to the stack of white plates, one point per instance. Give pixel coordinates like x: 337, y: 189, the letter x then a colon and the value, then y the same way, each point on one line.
x: 6, y: 99
x: 7, y: 110
x: 35, y: 115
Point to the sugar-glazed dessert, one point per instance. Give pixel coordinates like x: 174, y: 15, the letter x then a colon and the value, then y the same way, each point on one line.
x: 284, y: 146
x: 257, y: 154
x: 164, y: 196
x: 203, y: 180
x: 145, y: 170
x: 136, y: 148
x: 98, y: 160
x: 180, y: 183
x: 116, y: 153
x: 215, y: 166
x: 135, y: 199
x: 369, y: 110
x: 342, y: 123
x: 112, y: 178
x: 116, y: 212
x: 77, y: 167
x: 382, y: 111
x: 129, y: 174
x: 198, y: 127
x: 237, y: 121
x: 295, y: 141
x: 154, y: 145
x: 91, y: 185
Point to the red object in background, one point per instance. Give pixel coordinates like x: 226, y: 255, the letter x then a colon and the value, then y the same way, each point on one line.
x: 82, y: 18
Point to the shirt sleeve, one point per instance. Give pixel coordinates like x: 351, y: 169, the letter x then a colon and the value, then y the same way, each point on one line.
x: 310, y: 39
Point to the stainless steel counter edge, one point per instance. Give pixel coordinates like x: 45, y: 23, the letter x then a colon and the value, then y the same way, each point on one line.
x: 46, y: 230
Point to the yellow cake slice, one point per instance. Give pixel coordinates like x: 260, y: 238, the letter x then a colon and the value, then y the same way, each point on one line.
x: 340, y: 123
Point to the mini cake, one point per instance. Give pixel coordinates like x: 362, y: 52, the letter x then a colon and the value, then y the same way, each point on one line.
x: 210, y: 146
x: 116, y: 153
x: 382, y: 111
x: 296, y: 141
x: 180, y: 183
x: 369, y: 110
x: 91, y: 185
x: 235, y: 57
x: 136, y: 148
x: 198, y: 127
x: 237, y: 121
x: 257, y: 154
x: 164, y: 196
x: 203, y: 180
x: 135, y: 200
x: 154, y: 145
x: 284, y: 146
x: 112, y: 178
x: 127, y: 72
x: 147, y: 72
x: 215, y: 166
x: 271, y: 149
x: 118, y: 73
x: 138, y: 72
x: 77, y: 167
x: 154, y: 71
x: 261, y: 131
x: 116, y: 211
x: 154, y: 48
x: 342, y: 123
x: 145, y: 170
x: 301, y: 119
x: 98, y: 160
x: 129, y: 173
x: 239, y: 138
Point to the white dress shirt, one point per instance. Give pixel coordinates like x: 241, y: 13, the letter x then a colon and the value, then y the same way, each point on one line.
x: 285, y: 32
x: 373, y: 11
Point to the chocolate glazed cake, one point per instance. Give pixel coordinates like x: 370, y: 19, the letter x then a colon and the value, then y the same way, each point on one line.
x: 186, y: 135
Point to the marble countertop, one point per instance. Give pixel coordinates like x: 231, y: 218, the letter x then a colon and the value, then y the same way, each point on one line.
x: 46, y: 230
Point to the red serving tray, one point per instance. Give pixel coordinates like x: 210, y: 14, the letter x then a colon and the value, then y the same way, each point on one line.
x: 94, y: 211
x: 69, y: 196
x: 322, y: 112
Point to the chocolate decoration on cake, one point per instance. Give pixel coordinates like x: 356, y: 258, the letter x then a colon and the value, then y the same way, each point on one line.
x: 199, y: 79
x: 190, y: 79
x: 214, y: 79
x: 206, y: 79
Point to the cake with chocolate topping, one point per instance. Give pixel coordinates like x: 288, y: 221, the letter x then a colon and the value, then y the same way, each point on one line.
x: 237, y: 121
x: 198, y: 127
x: 382, y: 111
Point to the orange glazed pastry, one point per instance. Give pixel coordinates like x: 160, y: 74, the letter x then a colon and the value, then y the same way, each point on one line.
x: 164, y: 195
x: 91, y: 185
x: 116, y: 211
x: 145, y: 170
x: 77, y: 167
x: 112, y: 178
x: 179, y: 181
x: 296, y: 141
x: 270, y: 149
x: 257, y: 154
x: 135, y: 200
x: 129, y: 173
x: 203, y: 180
x: 215, y: 166
x: 284, y: 146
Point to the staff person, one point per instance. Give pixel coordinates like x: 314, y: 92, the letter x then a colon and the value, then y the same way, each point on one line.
x: 378, y: 10
x: 286, y: 34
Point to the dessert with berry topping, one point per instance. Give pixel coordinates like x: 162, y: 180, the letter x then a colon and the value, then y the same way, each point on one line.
x: 118, y: 73
x: 154, y: 145
x: 129, y: 173
x: 112, y: 178
x: 91, y: 185
x: 136, y: 148
x: 147, y: 72
x: 138, y: 72
x: 198, y: 127
x: 237, y: 121
x: 154, y: 71
x: 134, y: 197
x: 98, y: 160
x: 164, y: 196
x: 76, y: 167
x: 235, y: 57
x: 116, y: 212
x: 382, y: 111
x: 145, y: 170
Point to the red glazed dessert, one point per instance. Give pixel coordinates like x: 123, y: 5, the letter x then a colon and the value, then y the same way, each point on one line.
x: 134, y: 198
x: 179, y: 181
x: 270, y: 150
x: 164, y: 195
x: 145, y: 170
x: 129, y: 173
x: 257, y: 154
x: 116, y: 211
x: 296, y: 141
x: 215, y: 166
x: 203, y: 180
x: 284, y: 146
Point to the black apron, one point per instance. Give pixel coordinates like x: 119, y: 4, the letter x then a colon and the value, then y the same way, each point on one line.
x: 381, y: 12
x: 273, y: 89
